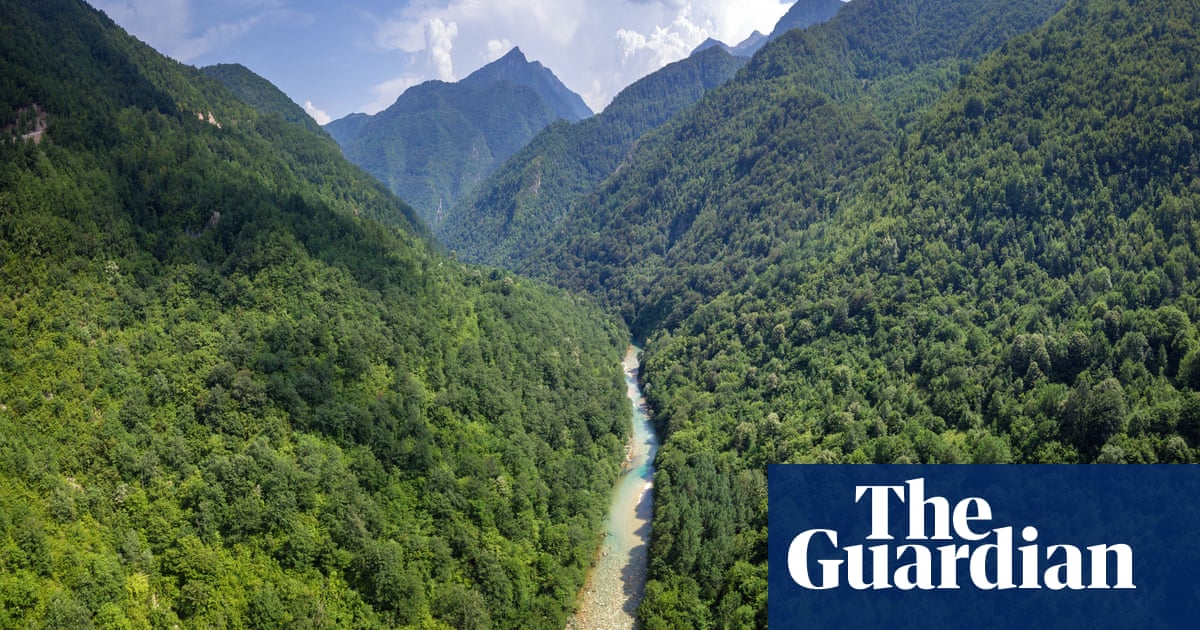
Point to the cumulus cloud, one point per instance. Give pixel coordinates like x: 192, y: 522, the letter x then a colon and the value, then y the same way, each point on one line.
x: 439, y: 41
x: 672, y: 4
x: 595, y: 48
x: 664, y: 44
x: 317, y: 114
x: 378, y: 48
x: 666, y: 31
x: 432, y: 59
x: 496, y: 48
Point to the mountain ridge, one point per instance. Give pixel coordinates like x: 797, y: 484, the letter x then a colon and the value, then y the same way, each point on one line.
x: 524, y: 198
x: 514, y: 66
x: 439, y: 139
x: 689, y: 241
x: 508, y: 214
x: 802, y: 14
x: 239, y: 385
x: 805, y: 13
x: 680, y: 180
x: 260, y: 94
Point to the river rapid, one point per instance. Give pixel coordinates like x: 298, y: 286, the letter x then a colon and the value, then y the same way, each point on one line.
x: 618, y: 578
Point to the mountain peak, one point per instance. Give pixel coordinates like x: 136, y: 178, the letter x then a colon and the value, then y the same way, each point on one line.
x: 710, y: 43
x: 510, y: 66
x: 438, y: 140
x: 747, y: 48
x: 751, y: 44
x: 516, y: 68
x: 514, y: 55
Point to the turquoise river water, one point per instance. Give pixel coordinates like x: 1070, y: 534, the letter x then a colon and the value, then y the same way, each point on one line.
x: 618, y: 578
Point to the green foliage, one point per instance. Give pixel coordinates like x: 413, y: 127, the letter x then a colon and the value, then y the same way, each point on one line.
x: 924, y: 232
x: 713, y: 195
x: 230, y: 396
x: 1011, y: 278
x: 533, y: 192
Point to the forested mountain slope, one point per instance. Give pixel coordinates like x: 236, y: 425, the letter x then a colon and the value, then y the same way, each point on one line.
x: 710, y: 196
x: 260, y: 93
x: 1015, y: 279
x: 229, y: 396
x: 439, y: 140
x: 532, y: 192
x: 544, y: 186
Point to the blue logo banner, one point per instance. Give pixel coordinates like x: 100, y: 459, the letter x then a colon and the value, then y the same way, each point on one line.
x: 971, y: 546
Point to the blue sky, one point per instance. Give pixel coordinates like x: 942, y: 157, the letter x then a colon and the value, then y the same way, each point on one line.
x: 335, y: 58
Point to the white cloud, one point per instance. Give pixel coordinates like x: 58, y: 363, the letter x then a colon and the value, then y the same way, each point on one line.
x: 595, y: 48
x: 496, y: 48
x: 317, y: 114
x: 664, y: 44
x: 378, y: 48
x: 213, y: 38
x: 439, y: 41
x: 399, y: 35
x: 432, y: 60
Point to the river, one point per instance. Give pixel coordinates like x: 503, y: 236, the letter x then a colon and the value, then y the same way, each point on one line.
x: 617, y: 581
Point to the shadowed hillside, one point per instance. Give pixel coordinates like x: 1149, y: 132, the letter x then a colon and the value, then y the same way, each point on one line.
x: 238, y: 387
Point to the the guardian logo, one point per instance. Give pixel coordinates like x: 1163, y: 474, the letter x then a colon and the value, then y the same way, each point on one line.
x: 965, y: 547
x: 946, y: 546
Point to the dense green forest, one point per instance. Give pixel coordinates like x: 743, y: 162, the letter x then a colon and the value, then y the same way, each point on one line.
x: 706, y: 197
x: 953, y: 231
x: 548, y: 182
x: 439, y: 140
x: 532, y: 192
x: 1015, y: 281
x: 239, y: 386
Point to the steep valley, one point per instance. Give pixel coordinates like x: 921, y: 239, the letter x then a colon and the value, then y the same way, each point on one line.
x: 241, y: 383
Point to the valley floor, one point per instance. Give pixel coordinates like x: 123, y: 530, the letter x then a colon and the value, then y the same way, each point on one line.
x: 618, y: 578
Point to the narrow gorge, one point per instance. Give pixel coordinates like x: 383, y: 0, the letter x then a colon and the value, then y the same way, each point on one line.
x: 615, y: 587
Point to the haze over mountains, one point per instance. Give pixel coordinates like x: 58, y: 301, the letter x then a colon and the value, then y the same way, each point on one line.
x: 523, y: 201
x: 438, y: 140
x: 802, y: 14
x: 240, y: 384
x: 531, y: 193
